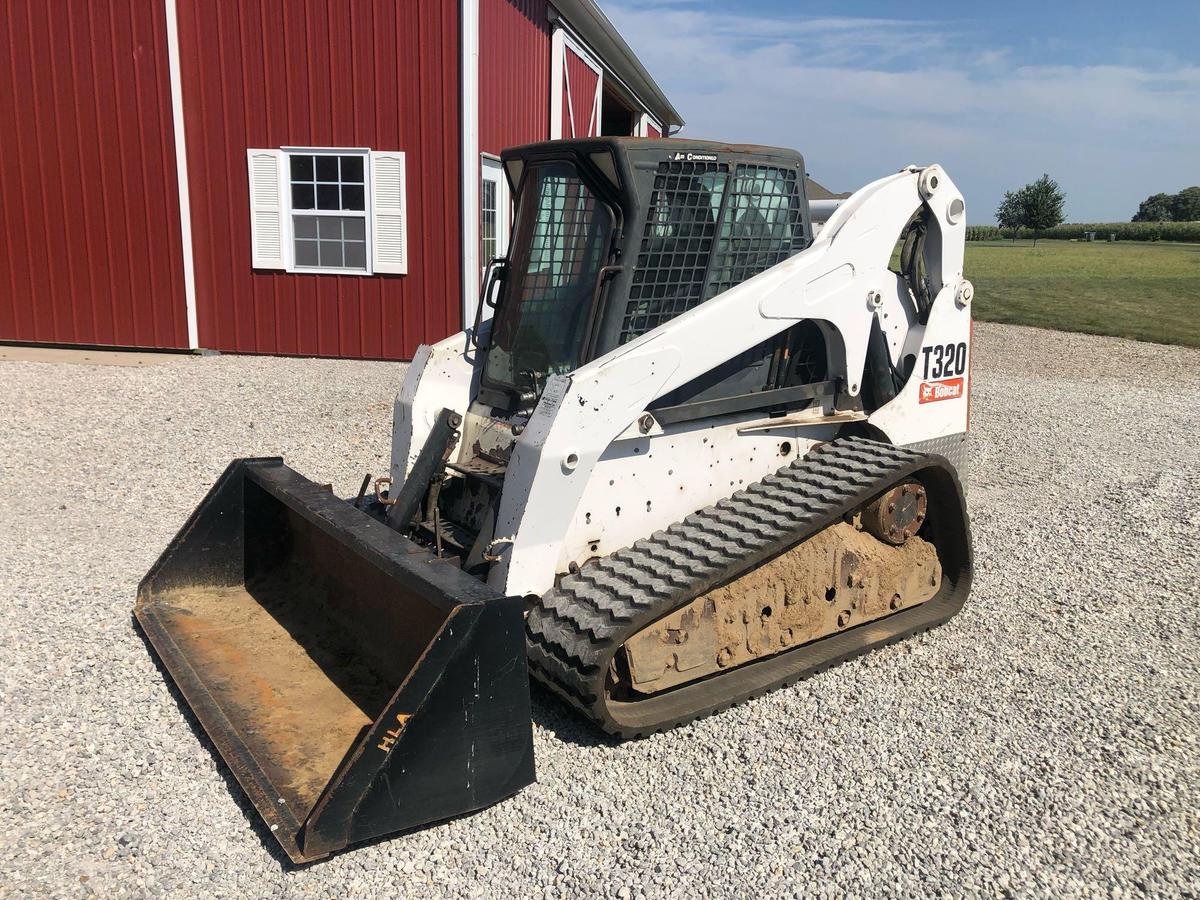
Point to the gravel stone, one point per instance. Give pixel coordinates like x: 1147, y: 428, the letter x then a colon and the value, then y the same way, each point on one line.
x: 1044, y: 742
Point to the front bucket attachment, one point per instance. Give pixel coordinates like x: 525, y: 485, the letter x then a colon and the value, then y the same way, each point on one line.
x: 355, y: 683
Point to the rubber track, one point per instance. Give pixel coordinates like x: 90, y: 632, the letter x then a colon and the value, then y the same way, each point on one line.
x: 578, y: 626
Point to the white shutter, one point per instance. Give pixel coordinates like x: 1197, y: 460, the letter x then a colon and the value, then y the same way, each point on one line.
x: 389, y: 217
x: 264, y: 169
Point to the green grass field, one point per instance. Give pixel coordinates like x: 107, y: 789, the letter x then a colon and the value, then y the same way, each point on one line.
x: 1145, y: 291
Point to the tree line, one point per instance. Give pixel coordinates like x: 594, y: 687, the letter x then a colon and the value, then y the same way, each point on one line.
x: 1181, y: 207
x: 1038, y: 208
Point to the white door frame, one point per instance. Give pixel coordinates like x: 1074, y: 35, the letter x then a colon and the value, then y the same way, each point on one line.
x: 181, y: 175
x: 468, y: 13
x: 490, y: 170
x: 644, y: 123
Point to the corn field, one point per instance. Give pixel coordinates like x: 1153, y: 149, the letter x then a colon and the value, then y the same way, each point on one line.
x: 1185, y: 232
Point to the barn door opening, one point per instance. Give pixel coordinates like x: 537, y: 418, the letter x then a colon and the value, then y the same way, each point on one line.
x: 617, y: 117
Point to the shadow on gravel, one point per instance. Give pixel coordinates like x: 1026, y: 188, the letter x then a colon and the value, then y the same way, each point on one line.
x: 552, y: 713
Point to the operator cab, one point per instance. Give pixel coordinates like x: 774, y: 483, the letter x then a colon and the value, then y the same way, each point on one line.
x: 614, y: 236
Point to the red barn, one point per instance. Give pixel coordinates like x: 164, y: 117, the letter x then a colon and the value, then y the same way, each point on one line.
x: 281, y: 176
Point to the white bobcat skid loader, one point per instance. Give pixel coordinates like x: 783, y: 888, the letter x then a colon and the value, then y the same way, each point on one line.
x: 698, y: 452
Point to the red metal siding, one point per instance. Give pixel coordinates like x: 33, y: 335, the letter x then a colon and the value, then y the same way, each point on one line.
x: 583, y: 81
x: 514, y: 73
x: 652, y: 130
x: 89, y: 218
x: 322, y: 73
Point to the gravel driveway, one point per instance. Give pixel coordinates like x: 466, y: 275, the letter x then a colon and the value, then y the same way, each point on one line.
x: 1044, y: 741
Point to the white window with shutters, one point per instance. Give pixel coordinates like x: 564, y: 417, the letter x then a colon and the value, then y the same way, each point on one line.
x: 328, y: 210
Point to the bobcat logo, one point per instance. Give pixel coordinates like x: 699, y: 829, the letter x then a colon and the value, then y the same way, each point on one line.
x: 950, y: 389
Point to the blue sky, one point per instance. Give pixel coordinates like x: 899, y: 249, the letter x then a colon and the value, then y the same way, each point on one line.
x: 1103, y: 96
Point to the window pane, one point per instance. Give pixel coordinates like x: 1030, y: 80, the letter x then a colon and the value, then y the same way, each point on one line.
x: 305, y: 226
x: 352, y: 168
x: 330, y: 242
x: 331, y: 253
x: 329, y: 228
x: 487, y: 220
x: 327, y: 197
x: 302, y: 168
x: 352, y: 196
x: 327, y: 168
x: 303, y: 196
x: 356, y: 255
x: 306, y: 253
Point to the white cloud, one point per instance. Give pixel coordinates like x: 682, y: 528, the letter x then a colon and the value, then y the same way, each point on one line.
x: 862, y: 97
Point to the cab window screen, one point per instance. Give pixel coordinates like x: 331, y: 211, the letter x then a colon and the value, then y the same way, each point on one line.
x: 681, y: 227
x: 708, y: 229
